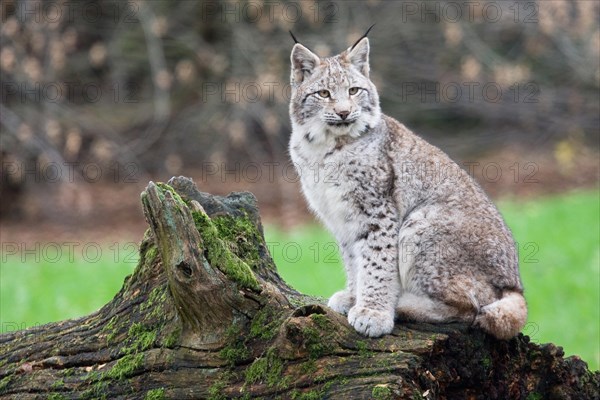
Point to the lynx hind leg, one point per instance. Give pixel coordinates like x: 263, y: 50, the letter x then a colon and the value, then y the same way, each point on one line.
x: 422, y: 308
x: 504, y: 318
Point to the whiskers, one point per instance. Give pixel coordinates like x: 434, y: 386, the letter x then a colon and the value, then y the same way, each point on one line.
x: 333, y: 119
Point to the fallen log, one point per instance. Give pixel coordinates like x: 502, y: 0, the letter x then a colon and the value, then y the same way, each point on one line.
x: 205, y: 315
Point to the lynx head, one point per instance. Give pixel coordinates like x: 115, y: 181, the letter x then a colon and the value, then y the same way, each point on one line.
x: 333, y: 96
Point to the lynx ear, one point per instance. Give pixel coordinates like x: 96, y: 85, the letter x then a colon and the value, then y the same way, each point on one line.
x: 358, y: 55
x: 304, y: 62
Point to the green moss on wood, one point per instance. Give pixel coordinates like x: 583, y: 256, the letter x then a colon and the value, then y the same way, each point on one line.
x: 382, y: 392
x: 321, y: 321
x: 155, y: 394
x: 216, y: 390
x: 241, y: 236
x: 142, y: 338
x: 265, y: 323
x: 125, y: 366
x: 235, y: 351
x: 310, y: 395
x: 110, y: 330
x: 363, y: 350
x: 97, y: 390
x: 316, y: 342
x: 235, y: 354
x: 157, y: 296
x: 167, y: 188
x: 172, y: 339
x: 58, y: 384
x: 486, y: 362
x: 150, y: 255
x: 309, y: 367
x: 267, y: 369
x: 220, y: 255
x: 5, y: 382
x: 154, y: 306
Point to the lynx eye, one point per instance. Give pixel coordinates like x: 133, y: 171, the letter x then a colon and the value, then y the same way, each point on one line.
x: 353, y: 90
x: 324, y: 93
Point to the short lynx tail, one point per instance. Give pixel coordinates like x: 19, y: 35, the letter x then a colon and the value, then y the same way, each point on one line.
x: 504, y: 318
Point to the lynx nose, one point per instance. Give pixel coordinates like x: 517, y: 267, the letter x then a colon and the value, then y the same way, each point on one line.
x: 343, y: 114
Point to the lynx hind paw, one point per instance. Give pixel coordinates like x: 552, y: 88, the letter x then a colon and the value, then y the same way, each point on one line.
x: 372, y: 323
x: 341, y: 302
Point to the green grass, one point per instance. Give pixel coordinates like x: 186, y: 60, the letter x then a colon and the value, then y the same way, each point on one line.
x: 307, y: 258
x: 54, y: 281
x: 559, y: 241
x: 560, y: 264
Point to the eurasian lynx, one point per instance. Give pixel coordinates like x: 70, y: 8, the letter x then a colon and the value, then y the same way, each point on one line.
x: 419, y: 238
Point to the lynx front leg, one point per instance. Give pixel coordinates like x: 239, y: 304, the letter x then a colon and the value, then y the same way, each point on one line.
x: 378, y: 285
x: 343, y: 300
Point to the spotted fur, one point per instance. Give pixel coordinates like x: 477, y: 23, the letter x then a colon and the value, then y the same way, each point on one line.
x: 419, y: 238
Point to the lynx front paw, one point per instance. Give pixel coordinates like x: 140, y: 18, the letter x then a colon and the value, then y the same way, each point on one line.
x: 341, y: 302
x: 372, y: 323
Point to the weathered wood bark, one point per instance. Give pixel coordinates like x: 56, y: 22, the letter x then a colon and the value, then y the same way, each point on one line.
x: 205, y: 315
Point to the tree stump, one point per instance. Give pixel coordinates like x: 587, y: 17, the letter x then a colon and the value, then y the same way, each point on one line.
x: 206, y: 316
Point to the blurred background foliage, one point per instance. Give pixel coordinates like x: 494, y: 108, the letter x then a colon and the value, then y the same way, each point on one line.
x: 119, y: 92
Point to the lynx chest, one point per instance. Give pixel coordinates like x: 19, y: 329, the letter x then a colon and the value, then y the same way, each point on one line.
x: 341, y: 180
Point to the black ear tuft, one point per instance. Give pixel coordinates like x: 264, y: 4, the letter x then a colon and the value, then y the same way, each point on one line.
x: 296, y: 40
x: 361, y: 38
x: 294, y: 37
